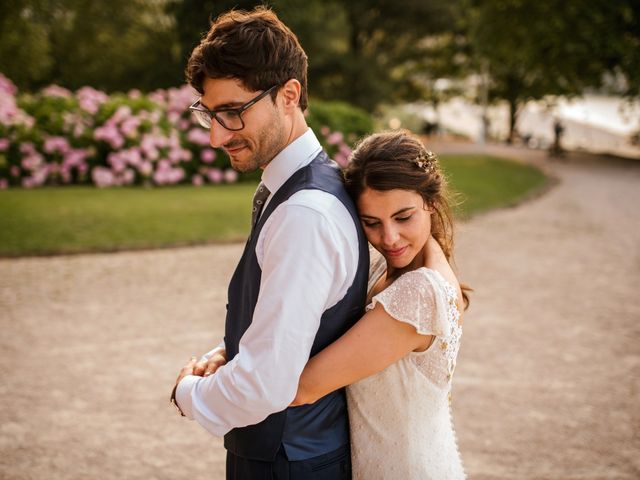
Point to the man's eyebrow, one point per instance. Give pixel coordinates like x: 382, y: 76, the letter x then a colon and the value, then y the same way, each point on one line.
x: 222, y: 106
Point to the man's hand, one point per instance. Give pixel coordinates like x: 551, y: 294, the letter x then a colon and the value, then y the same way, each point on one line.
x: 188, y: 369
x: 204, y: 369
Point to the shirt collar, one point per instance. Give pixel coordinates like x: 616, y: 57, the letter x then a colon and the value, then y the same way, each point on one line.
x: 293, y: 157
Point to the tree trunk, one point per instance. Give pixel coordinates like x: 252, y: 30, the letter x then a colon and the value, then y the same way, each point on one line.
x: 513, y: 118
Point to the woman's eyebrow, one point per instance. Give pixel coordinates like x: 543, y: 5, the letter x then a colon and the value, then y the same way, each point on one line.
x: 402, y: 210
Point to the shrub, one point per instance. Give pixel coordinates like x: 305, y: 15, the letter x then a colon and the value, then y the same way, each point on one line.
x: 57, y: 137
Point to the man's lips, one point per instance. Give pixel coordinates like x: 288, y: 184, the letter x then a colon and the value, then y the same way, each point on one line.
x: 396, y: 252
x: 233, y: 149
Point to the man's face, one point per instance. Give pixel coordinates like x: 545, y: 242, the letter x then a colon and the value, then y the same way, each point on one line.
x: 264, y: 133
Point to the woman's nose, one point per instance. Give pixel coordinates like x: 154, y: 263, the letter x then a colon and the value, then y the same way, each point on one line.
x: 389, y: 236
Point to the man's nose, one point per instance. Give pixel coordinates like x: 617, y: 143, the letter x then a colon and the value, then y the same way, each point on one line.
x: 218, y: 135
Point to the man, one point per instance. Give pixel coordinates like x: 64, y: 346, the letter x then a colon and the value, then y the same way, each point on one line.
x: 301, y: 281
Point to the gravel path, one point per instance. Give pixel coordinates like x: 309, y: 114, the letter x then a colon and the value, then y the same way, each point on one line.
x: 547, y: 385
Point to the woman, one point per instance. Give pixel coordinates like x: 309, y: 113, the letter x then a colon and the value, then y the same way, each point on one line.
x: 398, y: 360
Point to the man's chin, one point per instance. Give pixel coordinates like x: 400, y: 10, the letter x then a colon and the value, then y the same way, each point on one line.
x: 243, y: 165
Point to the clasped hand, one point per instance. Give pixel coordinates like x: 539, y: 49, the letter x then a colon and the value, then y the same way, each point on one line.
x: 203, y: 369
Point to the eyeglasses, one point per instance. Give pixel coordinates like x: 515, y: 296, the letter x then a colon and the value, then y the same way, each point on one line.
x: 229, y: 118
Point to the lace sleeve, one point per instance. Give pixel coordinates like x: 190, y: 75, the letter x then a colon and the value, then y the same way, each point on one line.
x: 417, y: 299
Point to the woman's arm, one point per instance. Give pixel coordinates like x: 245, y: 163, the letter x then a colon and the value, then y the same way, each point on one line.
x: 371, y: 345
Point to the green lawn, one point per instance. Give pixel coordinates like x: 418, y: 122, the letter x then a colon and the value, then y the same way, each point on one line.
x: 485, y: 182
x: 85, y: 219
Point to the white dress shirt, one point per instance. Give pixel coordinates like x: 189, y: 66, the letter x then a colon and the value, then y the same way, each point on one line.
x: 308, y: 253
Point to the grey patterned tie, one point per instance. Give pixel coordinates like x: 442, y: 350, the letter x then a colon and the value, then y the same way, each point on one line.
x: 261, y: 195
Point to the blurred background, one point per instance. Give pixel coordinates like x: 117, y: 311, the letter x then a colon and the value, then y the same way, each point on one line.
x: 497, y: 70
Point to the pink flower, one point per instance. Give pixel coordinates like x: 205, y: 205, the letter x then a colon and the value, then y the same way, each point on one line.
x: 122, y: 113
x: 186, y: 155
x: 197, y: 180
x: 56, y: 145
x: 230, y: 175
x: 145, y: 168
x: 4, y: 184
x: 116, y: 161
x: 27, y: 148
x: 207, y: 155
x: 128, y: 176
x: 214, y: 175
x: 56, y: 91
x: 344, y: 149
x: 335, y: 138
x: 32, y: 161
x: 199, y: 136
x: 90, y: 99
x: 4, y: 144
x: 7, y: 86
x: 341, y: 159
x: 164, y: 176
x: 14, y: 171
x: 325, y: 130
x: 102, y: 177
x: 134, y: 93
x: 109, y: 133
x: 129, y: 127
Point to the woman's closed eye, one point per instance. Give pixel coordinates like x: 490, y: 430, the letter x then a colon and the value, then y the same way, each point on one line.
x: 375, y: 223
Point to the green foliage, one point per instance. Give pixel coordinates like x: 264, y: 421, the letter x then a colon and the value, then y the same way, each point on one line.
x: 81, y: 219
x: 115, y: 45
x: 484, y: 183
x: 352, y: 121
x: 359, y: 51
x: 550, y: 47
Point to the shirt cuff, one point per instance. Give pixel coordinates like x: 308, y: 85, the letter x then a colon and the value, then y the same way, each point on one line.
x: 183, y: 394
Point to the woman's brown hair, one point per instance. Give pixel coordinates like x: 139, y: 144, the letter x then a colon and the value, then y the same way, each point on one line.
x: 254, y: 47
x: 399, y: 160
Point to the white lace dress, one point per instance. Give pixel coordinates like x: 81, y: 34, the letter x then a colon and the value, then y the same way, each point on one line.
x: 401, y: 425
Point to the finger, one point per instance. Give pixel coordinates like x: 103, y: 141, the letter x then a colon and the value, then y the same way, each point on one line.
x: 213, y: 366
x: 199, y: 368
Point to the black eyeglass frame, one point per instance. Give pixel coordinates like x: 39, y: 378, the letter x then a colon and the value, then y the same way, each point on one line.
x: 198, y: 107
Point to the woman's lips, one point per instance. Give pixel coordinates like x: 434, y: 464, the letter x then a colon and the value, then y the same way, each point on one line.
x: 397, y: 252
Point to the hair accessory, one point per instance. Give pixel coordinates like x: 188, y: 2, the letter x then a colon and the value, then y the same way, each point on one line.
x: 426, y: 161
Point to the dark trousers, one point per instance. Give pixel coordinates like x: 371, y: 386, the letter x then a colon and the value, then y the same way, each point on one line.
x: 334, y: 465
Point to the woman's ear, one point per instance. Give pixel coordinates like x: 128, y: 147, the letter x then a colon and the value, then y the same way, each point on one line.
x: 291, y: 94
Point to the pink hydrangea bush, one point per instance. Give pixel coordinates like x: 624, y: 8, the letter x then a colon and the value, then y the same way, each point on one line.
x: 59, y: 137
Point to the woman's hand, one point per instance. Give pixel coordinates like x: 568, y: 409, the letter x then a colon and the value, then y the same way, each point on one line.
x: 301, y: 397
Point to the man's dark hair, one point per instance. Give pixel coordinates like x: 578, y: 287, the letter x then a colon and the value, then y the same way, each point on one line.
x: 255, y: 47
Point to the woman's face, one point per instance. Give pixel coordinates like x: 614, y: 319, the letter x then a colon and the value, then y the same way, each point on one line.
x: 397, y: 223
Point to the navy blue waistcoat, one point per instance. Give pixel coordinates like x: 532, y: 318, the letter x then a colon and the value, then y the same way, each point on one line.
x: 308, y: 430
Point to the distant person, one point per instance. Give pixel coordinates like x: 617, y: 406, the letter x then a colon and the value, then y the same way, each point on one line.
x: 556, y: 149
x: 399, y: 359
x: 302, y: 280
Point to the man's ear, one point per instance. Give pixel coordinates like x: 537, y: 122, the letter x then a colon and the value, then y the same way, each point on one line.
x: 291, y: 94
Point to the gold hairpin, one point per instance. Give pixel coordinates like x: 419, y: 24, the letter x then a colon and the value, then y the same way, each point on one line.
x: 426, y: 161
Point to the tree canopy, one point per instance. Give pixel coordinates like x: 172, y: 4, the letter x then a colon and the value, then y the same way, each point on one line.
x: 360, y: 51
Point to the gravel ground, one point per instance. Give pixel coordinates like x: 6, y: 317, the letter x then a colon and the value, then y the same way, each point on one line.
x: 548, y: 379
